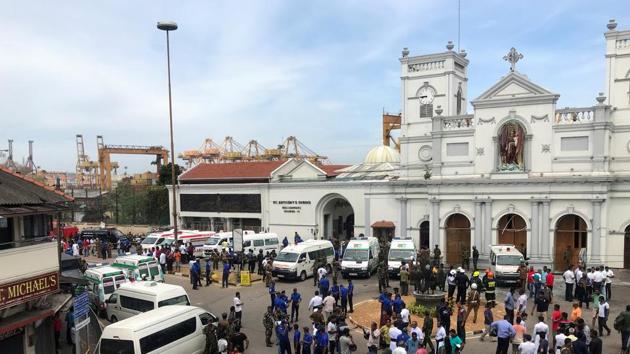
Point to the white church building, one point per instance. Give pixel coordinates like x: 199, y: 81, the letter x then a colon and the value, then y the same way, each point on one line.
x: 516, y: 170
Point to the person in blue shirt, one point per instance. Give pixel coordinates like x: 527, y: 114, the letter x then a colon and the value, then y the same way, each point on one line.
x: 321, y: 340
x: 272, y: 293
x: 398, y: 304
x: 285, y: 242
x: 281, y: 302
x: 350, y: 295
x: 226, y: 274
x: 334, y: 291
x: 505, y: 332
x: 307, y: 341
x: 402, y: 338
x: 296, y: 338
x: 297, y: 239
x: 282, y: 332
x: 296, y: 298
x: 195, y: 272
x: 343, y: 295
x: 324, y: 284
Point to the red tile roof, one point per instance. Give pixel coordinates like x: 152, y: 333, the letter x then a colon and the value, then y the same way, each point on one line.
x: 231, y: 171
x: 243, y: 171
x: 383, y: 224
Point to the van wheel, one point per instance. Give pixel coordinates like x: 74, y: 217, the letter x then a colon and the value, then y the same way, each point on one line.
x: 113, y: 319
x: 303, y: 276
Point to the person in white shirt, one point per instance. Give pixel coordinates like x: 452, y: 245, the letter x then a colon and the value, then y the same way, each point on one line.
x: 404, y: 315
x: 399, y: 350
x: 417, y: 330
x: 394, y: 332
x: 75, y: 249
x: 238, y: 306
x: 578, y: 274
x: 569, y: 280
x: 315, y: 302
x: 440, y: 336
x: 223, y: 346
x: 540, y: 329
x: 321, y: 272
x: 527, y: 347
x: 608, y: 282
x: 163, y: 261
x: 329, y: 304
x: 560, y: 337
x: 521, y: 302
x: 331, y: 328
x: 602, y: 315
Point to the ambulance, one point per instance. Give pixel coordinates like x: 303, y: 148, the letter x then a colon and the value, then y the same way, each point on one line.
x: 504, y: 262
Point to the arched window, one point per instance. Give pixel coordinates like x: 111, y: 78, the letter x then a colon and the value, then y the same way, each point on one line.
x: 459, y: 99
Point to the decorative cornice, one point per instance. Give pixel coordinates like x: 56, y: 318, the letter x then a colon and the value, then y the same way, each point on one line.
x: 481, y: 121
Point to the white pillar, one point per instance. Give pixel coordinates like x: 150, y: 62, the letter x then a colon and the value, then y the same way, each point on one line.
x: 487, y: 232
x: 595, y: 253
x: 535, y: 236
x: 434, y: 225
x: 478, y: 234
x: 367, y: 229
x: 403, y: 217
x: 546, y: 245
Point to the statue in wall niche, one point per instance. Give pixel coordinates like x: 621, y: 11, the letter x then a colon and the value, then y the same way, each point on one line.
x: 511, y: 143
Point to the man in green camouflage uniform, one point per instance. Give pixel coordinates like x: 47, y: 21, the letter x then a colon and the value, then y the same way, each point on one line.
x: 465, y: 254
x: 316, y: 266
x: 268, y: 321
x: 336, y: 265
x: 212, y: 343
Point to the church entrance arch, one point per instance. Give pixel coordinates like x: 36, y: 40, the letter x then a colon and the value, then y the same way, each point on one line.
x: 457, y: 238
x: 512, y: 229
x: 336, y: 217
x: 424, y: 235
x: 570, y: 238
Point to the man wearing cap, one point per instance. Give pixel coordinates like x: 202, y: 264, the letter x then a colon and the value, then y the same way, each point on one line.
x: 472, y: 303
x: 462, y: 281
x: 450, y: 279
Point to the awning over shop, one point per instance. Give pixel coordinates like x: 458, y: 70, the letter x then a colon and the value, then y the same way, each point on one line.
x: 383, y: 224
x: 23, y: 319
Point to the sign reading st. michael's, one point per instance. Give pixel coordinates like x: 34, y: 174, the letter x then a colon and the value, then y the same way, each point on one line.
x: 28, y: 289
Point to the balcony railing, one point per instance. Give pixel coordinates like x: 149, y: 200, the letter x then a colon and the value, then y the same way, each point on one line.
x: 574, y: 115
x: 458, y: 122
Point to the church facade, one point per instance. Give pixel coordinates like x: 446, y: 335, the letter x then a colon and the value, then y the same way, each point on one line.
x: 552, y: 181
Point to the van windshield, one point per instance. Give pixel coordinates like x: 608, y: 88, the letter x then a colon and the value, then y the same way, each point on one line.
x: 177, y: 300
x: 149, y: 241
x: 287, y: 257
x: 116, y: 346
x: 401, y: 255
x: 212, y: 241
x: 510, y: 260
x: 355, y: 255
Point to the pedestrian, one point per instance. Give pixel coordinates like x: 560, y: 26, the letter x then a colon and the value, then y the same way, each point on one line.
x: 334, y: 291
x: 566, y: 348
x: 296, y: 298
x: 324, y: 285
x: 427, y: 329
x: 69, y: 325
x: 259, y: 259
x: 596, y: 345
x: 505, y: 332
x: 488, y: 318
x: 57, y: 325
x: 440, y: 338
x: 251, y: 260
x: 404, y: 279
x: 462, y: 315
x: 195, y: 271
x: 321, y: 340
x: 602, y: 315
x: 475, y: 257
x: 307, y: 341
x: 608, y: 282
x: 462, y: 281
x: 527, y: 347
x: 519, y: 334
x: 541, y: 329
x: 373, y: 338
x: 268, y: 322
x: 569, y: 280
x: 296, y: 338
x: 509, y: 305
x: 315, y: 302
x: 282, y: 334
x: 226, y: 274
x: 521, y: 303
x: 413, y: 343
x: 343, y: 296
x: 238, y: 306
x: 350, y: 295
x: 346, y: 343
x: 208, y: 272
x: 328, y: 306
x: 457, y: 343
x: 556, y: 316
x: 473, y: 301
x: 450, y: 279
x: 332, y: 330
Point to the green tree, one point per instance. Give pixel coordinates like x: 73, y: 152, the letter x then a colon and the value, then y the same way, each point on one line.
x: 165, y: 173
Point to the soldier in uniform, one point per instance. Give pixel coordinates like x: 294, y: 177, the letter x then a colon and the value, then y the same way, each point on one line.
x: 441, y: 277
x: 336, y: 265
x: 472, y: 302
x: 382, y: 272
x: 268, y: 320
x: 465, y: 257
x: 316, y: 266
x: 522, y: 276
x: 404, y: 279
x: 212, y: 342
x: 475, y: 257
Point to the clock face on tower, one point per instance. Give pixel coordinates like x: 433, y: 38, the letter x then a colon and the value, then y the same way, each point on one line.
x: 427, y: 94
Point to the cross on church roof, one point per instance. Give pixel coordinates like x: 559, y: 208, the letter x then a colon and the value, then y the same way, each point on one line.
x: 512, y: 57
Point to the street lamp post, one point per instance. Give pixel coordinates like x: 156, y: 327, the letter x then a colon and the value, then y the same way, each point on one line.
x: 168, y: 26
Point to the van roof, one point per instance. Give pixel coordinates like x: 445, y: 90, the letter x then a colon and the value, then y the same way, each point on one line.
x: 363, y: 240
x: 150, y: 318
x: 152, y: 288
x: 405, y: 241
x: 505, y: 249
x: 103, y: 270
x: 306, y: 244
x: 133, y: 258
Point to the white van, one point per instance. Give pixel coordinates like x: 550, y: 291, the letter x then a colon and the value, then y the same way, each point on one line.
x: 138, y: 267
x: 104, y: 280
x: 504, y: 262
x: 296, y: 261
x: 266, y: 242
x: 360, y: 257
x: 168, y: 330
x: 134, y: 298
x: 400, y: 250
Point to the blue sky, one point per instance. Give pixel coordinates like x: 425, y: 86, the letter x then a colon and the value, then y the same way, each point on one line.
x: 320, y: 70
